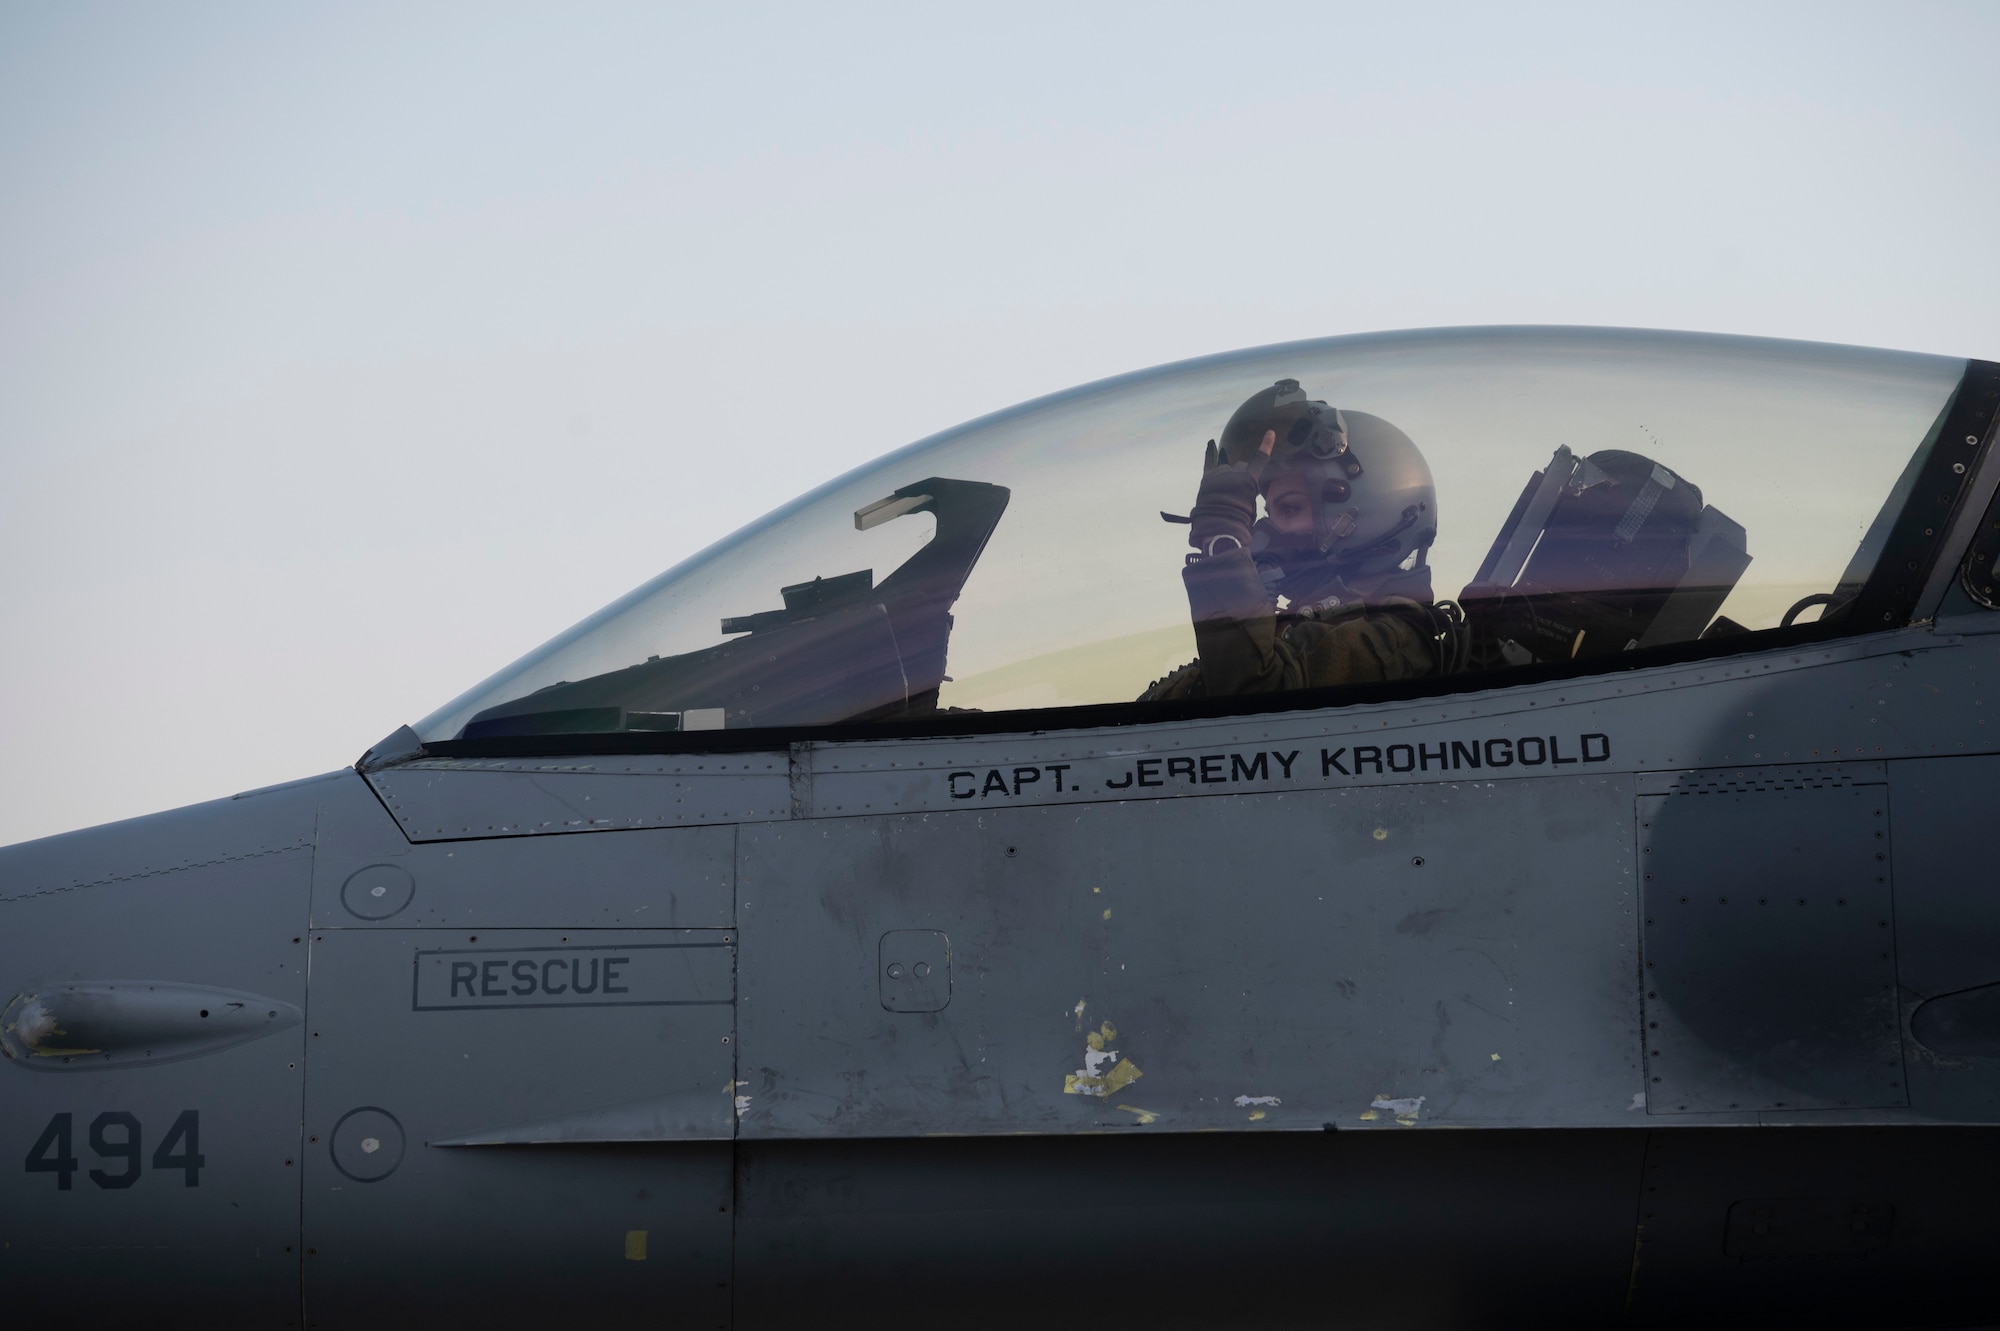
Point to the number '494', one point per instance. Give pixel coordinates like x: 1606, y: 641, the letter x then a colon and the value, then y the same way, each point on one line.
x: 115, y: 1141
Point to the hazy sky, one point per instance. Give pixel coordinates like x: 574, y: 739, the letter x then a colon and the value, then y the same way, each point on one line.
x: 347, y: 352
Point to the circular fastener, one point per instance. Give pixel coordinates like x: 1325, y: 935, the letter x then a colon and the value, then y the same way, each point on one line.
x: 1972, y: 439
x: 895, y: 970
x: 1416, y: 861
x: 367, y: 1144
x: 1958, y: 468
x: 377, y: 892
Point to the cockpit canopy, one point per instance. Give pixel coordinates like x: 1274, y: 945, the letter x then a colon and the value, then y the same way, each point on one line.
x: 1597, y: 492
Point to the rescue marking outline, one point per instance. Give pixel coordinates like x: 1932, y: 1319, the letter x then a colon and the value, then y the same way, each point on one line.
x: 503, y: 990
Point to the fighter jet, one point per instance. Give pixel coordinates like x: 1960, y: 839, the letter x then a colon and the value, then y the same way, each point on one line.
x: 1469, y: 827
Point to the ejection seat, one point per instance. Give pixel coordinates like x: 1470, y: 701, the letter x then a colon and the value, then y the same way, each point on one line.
x: 1602, y: 554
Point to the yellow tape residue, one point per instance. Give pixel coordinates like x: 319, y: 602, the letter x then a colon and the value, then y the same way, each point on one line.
x: 635, y: 1245
x: 1122, y: 1074
x: 1088, y: 1080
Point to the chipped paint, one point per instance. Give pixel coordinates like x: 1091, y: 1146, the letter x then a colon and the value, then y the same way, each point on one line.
x: 1638, y: 1102
x: 32, y: 1030
x: 1405, y: 1108
x: 1145, y: 1115
x: 1369, y: 1116
x: 742, y: 1104
x: 1256, y: 1115
x: 1107, y: 912
x: 1246, y: 1101
x: 1093, y: 1078
x: 1496, y: 1058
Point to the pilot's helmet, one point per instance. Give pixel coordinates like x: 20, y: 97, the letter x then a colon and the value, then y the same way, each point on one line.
x: 1374, y: 503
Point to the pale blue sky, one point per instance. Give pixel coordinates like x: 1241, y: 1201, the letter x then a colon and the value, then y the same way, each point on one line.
x: 346, y: 352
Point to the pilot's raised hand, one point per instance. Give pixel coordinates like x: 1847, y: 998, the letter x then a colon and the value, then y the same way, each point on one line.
x: 1225, y: 508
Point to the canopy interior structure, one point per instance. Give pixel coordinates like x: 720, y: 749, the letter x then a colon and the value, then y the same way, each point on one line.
x: 1021, y: 562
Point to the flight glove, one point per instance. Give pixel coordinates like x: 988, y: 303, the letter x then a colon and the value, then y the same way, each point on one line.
x: 1226, y: 504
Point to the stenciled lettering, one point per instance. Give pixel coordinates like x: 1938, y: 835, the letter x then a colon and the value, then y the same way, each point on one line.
x: 179, y: 1151
x: 646, y: 973
x: 1212, y: 769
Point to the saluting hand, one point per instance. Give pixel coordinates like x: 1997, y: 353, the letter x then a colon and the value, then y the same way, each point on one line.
x: 1225, y: 508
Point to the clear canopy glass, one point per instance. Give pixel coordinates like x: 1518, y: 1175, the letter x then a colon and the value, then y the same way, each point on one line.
x: 1021, y: 560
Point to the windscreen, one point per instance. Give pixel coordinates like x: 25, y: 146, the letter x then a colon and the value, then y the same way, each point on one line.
x: 1378, y: 507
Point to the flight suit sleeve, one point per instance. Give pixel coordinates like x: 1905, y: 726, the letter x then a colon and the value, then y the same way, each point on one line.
x: 1242, y: 651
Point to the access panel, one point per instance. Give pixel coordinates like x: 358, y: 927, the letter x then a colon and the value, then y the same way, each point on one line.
x: 507, y: 1128
x: 1364, y: 959
x: 1769, y: 941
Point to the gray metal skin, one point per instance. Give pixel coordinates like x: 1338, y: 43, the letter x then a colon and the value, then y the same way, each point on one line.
x: 1158, y: 1023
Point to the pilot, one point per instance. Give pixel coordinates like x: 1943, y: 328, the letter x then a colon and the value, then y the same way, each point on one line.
x: 1330, y: 586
